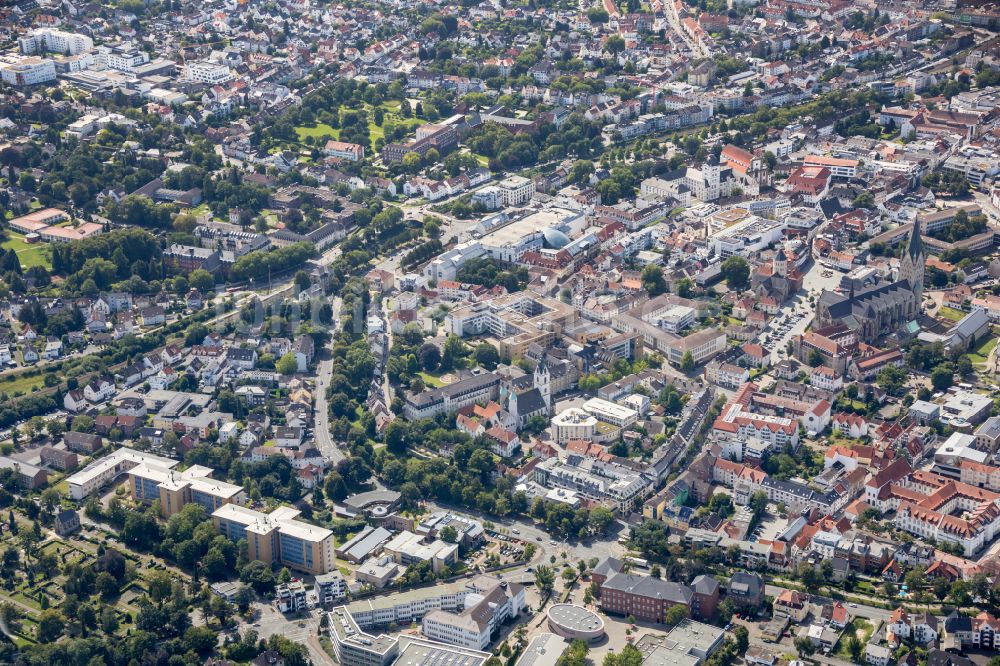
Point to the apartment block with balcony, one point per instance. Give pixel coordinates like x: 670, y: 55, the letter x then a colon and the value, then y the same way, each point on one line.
x: 278, y: 537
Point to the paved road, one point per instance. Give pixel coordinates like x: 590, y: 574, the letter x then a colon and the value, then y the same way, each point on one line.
x: 272, y: 622
x: 670, y: 11
x: 527, y: 530
x: 324, y: 442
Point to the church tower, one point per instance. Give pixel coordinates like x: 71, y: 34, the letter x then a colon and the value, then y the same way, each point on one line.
x: 711, y: 172
x: 911, y: 265
x: 780, y: 263
x: 543, y: 382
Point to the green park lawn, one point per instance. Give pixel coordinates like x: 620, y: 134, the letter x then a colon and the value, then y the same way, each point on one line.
x: 316, y: 131
x: 979, y: 355
x: 431, y: 381
x: 323, y: 131
x: 36, y: 254
x: 951, y: 313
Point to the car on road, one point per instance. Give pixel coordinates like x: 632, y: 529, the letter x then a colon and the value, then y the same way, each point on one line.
x: 514, y: 530
x: 538, y: 538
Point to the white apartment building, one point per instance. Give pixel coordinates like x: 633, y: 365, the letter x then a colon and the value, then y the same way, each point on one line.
x: 620, y: 487
x: 211, y: 73
x: 48, y: 40
x: 27, y: 70
x: 838, y: 166
x: 609, y: 412
x: 516, y: 190
x: 352, y: 152
x: 826, y: 379
x: 744, y: 432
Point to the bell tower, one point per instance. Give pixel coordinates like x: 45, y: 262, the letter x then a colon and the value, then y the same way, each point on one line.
x: 911, y: 265
x: 543, y: 382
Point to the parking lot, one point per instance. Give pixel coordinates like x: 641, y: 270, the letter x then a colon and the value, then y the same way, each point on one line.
x: 504, y: 545
x: 792, y: 321
x: 797, y: 314
x: 769, y: 527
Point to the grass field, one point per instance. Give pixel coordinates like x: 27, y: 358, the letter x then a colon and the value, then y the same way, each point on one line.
x: 430, y: 381
x: 323, y: 131
x: 979, y: 355
x: 317, y: 131
x: 951, y: 313
x: 36, y: 254
x: 21, y: 384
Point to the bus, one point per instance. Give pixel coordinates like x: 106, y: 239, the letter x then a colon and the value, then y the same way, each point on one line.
x: 637, y: 562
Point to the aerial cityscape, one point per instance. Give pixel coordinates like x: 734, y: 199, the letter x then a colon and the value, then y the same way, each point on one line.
x: 500, y: 333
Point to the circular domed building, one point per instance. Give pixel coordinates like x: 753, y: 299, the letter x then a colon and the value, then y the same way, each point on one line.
x: 554, y: 239
x: 573, y: 622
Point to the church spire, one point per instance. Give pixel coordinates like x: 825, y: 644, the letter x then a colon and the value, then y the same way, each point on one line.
x: 915, y: 247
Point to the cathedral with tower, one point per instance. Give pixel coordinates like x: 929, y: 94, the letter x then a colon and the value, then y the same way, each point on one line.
x: 777, y: 279
x: 883, y: 308
x: 522, y: 403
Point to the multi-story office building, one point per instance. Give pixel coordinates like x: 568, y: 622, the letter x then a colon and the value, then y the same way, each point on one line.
x: 463, y: 613
x: 150, y: 481
x: 354, y: 647
x: 278, y: 537
x: 407, y: 548
x: 474, y: 627
x: 516, y: 190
